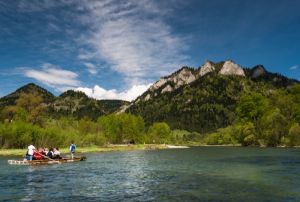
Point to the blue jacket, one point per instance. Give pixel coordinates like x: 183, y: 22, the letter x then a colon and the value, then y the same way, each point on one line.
x: 73, y: 148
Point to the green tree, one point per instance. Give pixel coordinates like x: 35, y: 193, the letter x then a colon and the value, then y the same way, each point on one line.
x: 122, y: 128
x: 293, y: 137
x: 159, y: 133
x: 251, y: 107
x: 33, y: 108
x: 275, y: 127
x: 245, y: 134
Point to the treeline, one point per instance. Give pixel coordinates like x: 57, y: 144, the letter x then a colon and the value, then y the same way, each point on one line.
x: 111, y: 129
x: 266, y: 118
x: 28, y: 123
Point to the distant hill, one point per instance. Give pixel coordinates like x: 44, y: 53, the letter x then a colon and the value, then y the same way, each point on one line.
x: 29, y: 88
x: 203, y: 99
x: 80, y: 105
x: 71, y: 102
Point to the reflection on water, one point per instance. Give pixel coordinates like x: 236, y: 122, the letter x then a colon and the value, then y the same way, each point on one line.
x: 205, y: 174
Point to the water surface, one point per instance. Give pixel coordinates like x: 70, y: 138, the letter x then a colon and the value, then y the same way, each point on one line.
x: 196, y: 174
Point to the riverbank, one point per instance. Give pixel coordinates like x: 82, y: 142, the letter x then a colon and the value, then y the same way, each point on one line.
x: 108, y: 148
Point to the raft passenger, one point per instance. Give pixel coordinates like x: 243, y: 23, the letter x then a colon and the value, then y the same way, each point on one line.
x: 50, y: 153
x: 30, y: 152
x: 56, y: 153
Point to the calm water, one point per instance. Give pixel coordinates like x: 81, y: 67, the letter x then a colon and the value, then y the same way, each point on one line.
x: 197, y: 174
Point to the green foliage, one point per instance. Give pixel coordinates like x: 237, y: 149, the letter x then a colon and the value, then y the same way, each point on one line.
x: 264, y: 118
x: 274, y: 127
x: 251, y: 107
x: 117, y: 129
x: 184, y: 137
x: 222, y: 136
x: 122, y: 128
x: 293, y: 137
x: 245, y: 134
x: 159, y: 133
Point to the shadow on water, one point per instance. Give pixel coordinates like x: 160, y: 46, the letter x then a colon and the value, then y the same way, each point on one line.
x: 198, y: 174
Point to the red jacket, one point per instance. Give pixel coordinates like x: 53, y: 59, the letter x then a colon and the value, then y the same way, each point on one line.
x: 37, y: 155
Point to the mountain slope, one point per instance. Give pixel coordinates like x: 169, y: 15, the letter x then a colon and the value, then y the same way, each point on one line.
x: 203, y: 99
x: 69, y: 103
x: 27, y: 89
x: 79, y: 105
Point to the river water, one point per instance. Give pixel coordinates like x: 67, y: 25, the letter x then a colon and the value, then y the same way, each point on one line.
x: 196, y: 174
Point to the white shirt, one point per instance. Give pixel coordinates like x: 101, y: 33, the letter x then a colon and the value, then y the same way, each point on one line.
x: 56, y: 153
x: 31, y: 148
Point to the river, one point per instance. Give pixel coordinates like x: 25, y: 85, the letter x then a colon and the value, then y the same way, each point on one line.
x: 196, y: 174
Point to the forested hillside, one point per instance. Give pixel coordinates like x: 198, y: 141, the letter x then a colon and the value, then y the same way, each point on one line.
x: 217, y: 103
x: 205, y: 99
x: 70, y: 103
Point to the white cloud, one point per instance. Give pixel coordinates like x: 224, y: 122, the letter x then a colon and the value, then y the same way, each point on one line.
x: 63, y: 80
x: 91, y: 67
x: 53, y: 76
x: 100, y: 93
x: 294, y: 67
x: 132, y: 38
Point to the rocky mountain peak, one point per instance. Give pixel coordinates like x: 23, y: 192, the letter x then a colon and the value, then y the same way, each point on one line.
x: 207, y: 67
x: 231, y: 68
x: 185, y: 76
x: 181, y: 77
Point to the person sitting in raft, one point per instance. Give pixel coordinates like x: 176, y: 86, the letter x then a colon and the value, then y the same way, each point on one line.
x: 56, y: 153
x: 50, y: 153
x: 46, y: 150
x: 72, y: 149
x: 37, y: 155
x: 30, y: 151
x: 42, y: 152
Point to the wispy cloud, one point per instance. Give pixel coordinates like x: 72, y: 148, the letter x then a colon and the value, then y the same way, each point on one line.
x: 100, y: 93
x: 132, y: 38
x: 91, y: 67
x: 294, y: 67
x: 53, y: 76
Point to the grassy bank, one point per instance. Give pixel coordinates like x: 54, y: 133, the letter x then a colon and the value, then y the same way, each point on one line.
x: 21, y: 152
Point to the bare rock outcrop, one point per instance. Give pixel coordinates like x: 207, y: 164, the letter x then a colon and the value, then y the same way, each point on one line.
x: 206, y: 68
x: 231, y: 68
x: 148, y: 96
x: 185, y: 76
x: 158, y: 84
x: 168, y: 88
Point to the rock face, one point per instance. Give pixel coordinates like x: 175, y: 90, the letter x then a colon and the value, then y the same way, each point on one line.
x: 206, y: 68
x: 185, y: 76
x: 148, y: 96
x: 168, y: 88
x: 158, y: 84
x: 258, y: 71
x: 230, y: 68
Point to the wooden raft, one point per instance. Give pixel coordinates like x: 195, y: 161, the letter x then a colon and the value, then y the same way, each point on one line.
x: 46, y: 161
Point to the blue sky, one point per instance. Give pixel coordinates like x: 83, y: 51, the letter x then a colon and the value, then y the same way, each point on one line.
x: 116, y: 49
